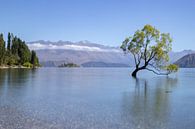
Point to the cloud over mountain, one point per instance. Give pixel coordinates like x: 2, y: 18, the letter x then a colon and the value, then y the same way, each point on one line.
x: 65, y: 46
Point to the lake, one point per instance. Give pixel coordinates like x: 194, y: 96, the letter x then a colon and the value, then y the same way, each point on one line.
x: 96, y: 98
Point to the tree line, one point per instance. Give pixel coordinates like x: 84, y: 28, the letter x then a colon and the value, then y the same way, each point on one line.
x: 16, y: 52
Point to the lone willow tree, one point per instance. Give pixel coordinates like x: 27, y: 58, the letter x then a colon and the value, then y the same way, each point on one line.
x: 150, y: 50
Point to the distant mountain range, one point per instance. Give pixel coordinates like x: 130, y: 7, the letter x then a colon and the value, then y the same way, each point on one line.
x: 86, y: 54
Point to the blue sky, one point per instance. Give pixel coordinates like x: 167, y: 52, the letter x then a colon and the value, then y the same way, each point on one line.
x: 102, y: 21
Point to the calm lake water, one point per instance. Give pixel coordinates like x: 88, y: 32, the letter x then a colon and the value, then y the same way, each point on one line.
x: 96, y: 98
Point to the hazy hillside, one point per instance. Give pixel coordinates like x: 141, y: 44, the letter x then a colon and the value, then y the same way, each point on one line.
x: 174, y: 56
x: 187, y: 61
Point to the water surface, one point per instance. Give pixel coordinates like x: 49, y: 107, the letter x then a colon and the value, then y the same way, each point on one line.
x: 96, y: 98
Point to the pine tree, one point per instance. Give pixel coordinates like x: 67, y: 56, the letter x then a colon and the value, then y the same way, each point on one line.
x: 2, y: 50
x: 14, y: 47
x: 34, y: 59
x: 9, y: 42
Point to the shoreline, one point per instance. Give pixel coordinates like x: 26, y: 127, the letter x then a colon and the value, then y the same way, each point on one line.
x: 15, y: 67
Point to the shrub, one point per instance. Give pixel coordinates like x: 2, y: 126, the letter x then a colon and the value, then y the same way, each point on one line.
x: 28, y: 65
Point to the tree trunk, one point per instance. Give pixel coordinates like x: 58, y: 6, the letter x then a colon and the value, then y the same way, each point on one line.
x: 134, y: 73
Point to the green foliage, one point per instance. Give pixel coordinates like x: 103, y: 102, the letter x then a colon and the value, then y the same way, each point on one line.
x: 15, y: 46
x: 69, y: 65
x: 27, y: 65
x: 34, y: 59
x: 17, y: 52
x: 2, y: 50
x: 9, y: 42
x: 148, y: 47
x: 171, y: 68
x: 20, y: 49
x: 23, y: 52
x: 11, y: 60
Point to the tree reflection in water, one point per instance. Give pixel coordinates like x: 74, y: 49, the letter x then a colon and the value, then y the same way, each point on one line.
x: 149, y: 105
x: 14, y: 82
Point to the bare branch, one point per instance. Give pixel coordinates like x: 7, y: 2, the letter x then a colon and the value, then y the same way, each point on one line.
x: 154, y: 67
x: 140, y: 57
x: 146, y: 48
x: 135, y: 58
x: 152, y: 55
x: 158, y: 73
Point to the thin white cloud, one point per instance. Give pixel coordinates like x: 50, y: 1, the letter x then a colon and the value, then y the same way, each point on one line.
x: 39, y: 46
